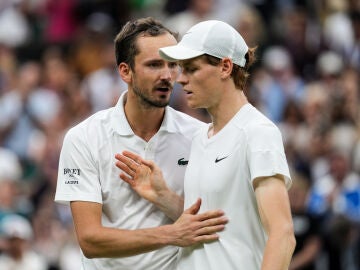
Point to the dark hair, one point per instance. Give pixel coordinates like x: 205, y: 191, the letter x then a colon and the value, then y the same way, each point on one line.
x: 125, y: 41
x: 239, y: 74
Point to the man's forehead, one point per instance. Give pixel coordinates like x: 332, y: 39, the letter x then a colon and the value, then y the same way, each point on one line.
x: 147, y: 41
x: 191, y: 61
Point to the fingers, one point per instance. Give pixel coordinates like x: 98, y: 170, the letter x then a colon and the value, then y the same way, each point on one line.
x: 130, y: 163
x: 211, y: 225
x: 194, y: 208
x: 212, y: 214
x: 201, y: 228
x: 210, y: 230
x: 132, y: 156
x: 207, y: 238
x: 127, y: 179
x: 138, y: 159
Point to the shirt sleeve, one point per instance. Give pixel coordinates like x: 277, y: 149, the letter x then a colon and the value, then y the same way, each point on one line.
x: 265, y: 153
x: 78, y: 178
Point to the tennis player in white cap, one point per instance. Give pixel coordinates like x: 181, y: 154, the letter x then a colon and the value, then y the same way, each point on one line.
x: 237, y: 163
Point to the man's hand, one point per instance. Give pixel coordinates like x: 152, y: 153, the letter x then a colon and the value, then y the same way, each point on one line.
x: 146, y: 178
x: 142, y: 175
x: 192, y: 228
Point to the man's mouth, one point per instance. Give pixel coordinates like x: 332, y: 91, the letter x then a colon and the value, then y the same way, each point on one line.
x: 164, y: 87
x: 188, y: 92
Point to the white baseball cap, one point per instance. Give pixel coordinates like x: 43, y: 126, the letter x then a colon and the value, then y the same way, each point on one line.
x: 14, y: 225
x: 212, y: 37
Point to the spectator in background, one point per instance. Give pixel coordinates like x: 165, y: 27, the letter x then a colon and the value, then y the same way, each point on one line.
x: 104, y: 86
x: 251, y: 26
x: 297, y: 31
x: 14, y: 30
x: 18, y: 253
x: 292, y: 128
x: 10, y: 176
x: 60, y: 22
x: 23, y: 112
x: 337, y: 29
x: 340, y: 85
x: 284, y: 84
x: 197, y: 10
x: 87, y: 52
x: 8, y: 69
x: 338, y: 192
x: 353, y: 53
x: 306, y: 227
x: 341, y: 244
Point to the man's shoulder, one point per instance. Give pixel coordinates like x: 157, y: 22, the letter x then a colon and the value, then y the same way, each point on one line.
x: 91, y: 124
x: 182, y: 124
x: 181, y: 117
x: 252, y: 118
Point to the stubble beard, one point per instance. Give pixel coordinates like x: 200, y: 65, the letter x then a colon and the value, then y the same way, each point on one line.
x: 147, y: 101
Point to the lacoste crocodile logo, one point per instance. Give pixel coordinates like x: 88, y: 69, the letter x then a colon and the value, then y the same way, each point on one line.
x: 182, y: 162
x: 219, y: 159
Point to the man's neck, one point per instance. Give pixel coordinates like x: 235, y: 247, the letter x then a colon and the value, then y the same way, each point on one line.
x: 225, y: 111
x: 145, y: 122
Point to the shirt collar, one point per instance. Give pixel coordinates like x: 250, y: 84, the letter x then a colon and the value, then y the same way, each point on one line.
x: 121, y: 125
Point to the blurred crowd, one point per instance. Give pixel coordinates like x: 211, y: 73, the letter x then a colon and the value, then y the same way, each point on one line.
x: 57, y: 67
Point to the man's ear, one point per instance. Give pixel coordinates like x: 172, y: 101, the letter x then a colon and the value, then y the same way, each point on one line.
x: 125, y: 72
x: 226, y: 67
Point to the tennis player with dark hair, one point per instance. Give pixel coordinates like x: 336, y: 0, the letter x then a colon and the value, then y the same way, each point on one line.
x: 115, y: 227
x: 237, y: 163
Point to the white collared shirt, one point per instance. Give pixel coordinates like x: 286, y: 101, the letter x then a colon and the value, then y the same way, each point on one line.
x: 87, y: 172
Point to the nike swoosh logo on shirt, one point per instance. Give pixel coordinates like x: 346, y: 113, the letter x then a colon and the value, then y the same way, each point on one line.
x: 219, y: 159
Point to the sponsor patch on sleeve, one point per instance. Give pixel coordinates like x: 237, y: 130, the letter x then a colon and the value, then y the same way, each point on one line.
x: 71, y: 176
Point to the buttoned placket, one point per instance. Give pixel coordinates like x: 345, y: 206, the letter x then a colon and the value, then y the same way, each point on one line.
x: 150, y: 147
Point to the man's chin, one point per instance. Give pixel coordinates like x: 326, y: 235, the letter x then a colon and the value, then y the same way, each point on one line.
x: 159, y: 103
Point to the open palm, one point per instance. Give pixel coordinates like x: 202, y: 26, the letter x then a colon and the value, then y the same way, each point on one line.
x: 142, y: 175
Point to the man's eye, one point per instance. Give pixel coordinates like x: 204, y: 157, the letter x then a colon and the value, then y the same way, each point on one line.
x: 173, y: 65
x: 154, y: 65
x: 189, y: 69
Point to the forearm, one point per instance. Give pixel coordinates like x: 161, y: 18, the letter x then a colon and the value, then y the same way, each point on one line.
x: 278, y: 251
x: 97, y: 241
x: 114, y: 243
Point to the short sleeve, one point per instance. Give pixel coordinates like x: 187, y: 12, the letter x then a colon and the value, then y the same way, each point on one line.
x: 265, y: 153
x: 78, y: 178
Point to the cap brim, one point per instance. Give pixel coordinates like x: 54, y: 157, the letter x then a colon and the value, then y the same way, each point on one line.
x: 178, y: 52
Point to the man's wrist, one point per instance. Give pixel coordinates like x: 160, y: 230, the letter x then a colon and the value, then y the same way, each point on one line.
x: 170, y: 203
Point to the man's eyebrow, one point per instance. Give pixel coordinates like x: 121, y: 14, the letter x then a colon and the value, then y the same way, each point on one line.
x: 186, y: 63
x: 154, y: 60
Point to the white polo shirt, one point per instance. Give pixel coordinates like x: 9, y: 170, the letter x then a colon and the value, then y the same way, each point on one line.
x: 221, y: 171
x: 87, y: 172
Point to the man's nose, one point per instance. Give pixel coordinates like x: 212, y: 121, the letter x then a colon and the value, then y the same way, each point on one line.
x: 182, y: 79
x: 166, y: 73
